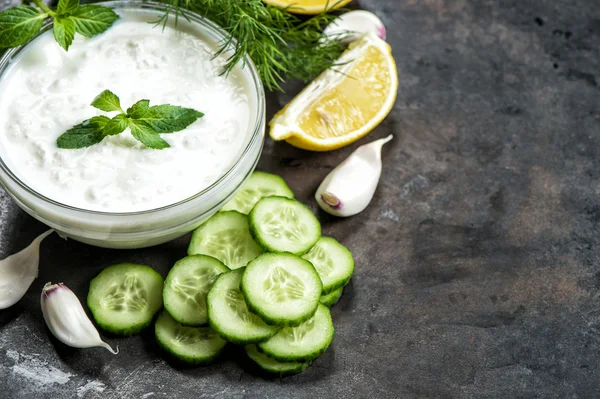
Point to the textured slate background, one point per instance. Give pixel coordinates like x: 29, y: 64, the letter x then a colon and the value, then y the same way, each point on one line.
x: 477, y: 270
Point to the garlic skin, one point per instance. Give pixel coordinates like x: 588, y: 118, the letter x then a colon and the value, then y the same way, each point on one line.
x: 355, y: 24
x: 18, y: 271
x: 349, y: 188
x: 67, y: 320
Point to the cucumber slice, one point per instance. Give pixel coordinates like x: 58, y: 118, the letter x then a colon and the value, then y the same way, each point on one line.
x: 225, y: 236
x: 228, y: 313
x: 271, y: 365
x: 333, y: 262
x: 124, y: 298
x: 281, y: 224
x: 194, y: 345
x: 304, y: 342
x: 281, y: 288
x: 331, y: 299
x: 259, y: 185
x: 186, y: 287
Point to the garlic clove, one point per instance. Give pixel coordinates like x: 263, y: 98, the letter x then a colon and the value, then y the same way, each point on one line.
x: 349, y: 188
x: 354, y: 24
x: 18, y: 271
x: 67, y: 320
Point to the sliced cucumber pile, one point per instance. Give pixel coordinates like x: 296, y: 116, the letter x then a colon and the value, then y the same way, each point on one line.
x: 271, y: 365
x: 333, y: 262
x: 259, y: 185
x: 225, y: 236
x: 229, y: 314
x: 194, y: 345
x: 186, y: 288
x: 264, y: 280
x: 282, y: 289
x: 281, y: 224
x: 124, y: 298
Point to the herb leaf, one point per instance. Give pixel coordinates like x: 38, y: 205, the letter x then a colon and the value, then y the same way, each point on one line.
x: 66, y: 7
x: 170, y: 118
x: 116, y: 125
x: 18, y: 25
x: 64, y: 31
x: 281, y: 44
x: 147, y: 135
x: 83, y: 135
x: 107, y: 101
x: 138, y: 109
x: 91, y: 20
x: 145, y: 122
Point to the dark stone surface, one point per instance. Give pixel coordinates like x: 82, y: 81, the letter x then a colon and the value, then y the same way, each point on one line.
x: 477, y: 274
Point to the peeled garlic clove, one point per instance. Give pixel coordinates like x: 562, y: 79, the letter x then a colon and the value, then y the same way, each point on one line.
x: 354, y: 24
x: 18, y: 271
x: 349, y: 188
x: 67, y: 320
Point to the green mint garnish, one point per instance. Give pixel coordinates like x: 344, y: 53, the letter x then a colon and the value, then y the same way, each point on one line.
x: 169, y: 119
x: 107, y: 101
x: 138, y: 109
x: 20, y: 24
x: 145, y: 122
x: 85, y: 134
x: 64, y: 31
x: 91, y: 20
x: 67, y: 7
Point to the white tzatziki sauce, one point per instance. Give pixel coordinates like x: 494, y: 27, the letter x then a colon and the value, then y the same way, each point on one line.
x: 46, y: 91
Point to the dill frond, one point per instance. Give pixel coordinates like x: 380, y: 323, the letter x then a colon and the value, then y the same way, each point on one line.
x: 281, y: 45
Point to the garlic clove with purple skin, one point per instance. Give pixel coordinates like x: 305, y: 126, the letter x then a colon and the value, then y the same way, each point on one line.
x: 18, y: 271
x: 349, y: 188
x: 67, y: 320
x: 354, y: 24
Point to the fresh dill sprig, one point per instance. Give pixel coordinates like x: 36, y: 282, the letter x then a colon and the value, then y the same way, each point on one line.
x: 281, y: 45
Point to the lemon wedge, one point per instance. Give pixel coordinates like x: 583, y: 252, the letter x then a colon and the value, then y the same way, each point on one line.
x: 344, y: 103
x: 308, y: 7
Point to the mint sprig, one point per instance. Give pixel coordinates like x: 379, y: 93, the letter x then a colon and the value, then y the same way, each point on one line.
x: 146, y: 123
x: 20, y: 24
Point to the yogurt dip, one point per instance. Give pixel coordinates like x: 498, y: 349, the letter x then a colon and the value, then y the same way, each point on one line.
x: 45, y: 91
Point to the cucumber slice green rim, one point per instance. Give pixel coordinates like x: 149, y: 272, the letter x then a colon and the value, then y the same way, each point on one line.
x: 259, y: 185
x: 332, y: 298
x: 187, y: 285
x: 281, y: 289
x: 124, y: 298
x: 225, y: 236
x: 228, y: 313
x: 193, y: 345
x: 333, y: 262
x: 280, y: 224
x: 273, y: 366
x: 304, y: 342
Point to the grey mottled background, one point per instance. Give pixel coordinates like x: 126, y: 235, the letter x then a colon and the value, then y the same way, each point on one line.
x: 478, y: 273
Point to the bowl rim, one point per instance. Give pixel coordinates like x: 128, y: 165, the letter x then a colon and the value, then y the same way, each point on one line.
x: 213, y: 28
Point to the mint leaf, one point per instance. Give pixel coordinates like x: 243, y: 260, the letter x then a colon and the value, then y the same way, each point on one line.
x: 145, y: 122
x: 66, y: 7
x: 107, y: 101
x: 116, y: 125
x: 170, y: 118
x: 148, y: 136
x: 138, y: 109
x: 83, y: 135
x: 91, y: 20
x: 64, y: 31
x: 18, y: 25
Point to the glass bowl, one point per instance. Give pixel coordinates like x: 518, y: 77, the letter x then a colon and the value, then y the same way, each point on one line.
x: 156, y: 226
